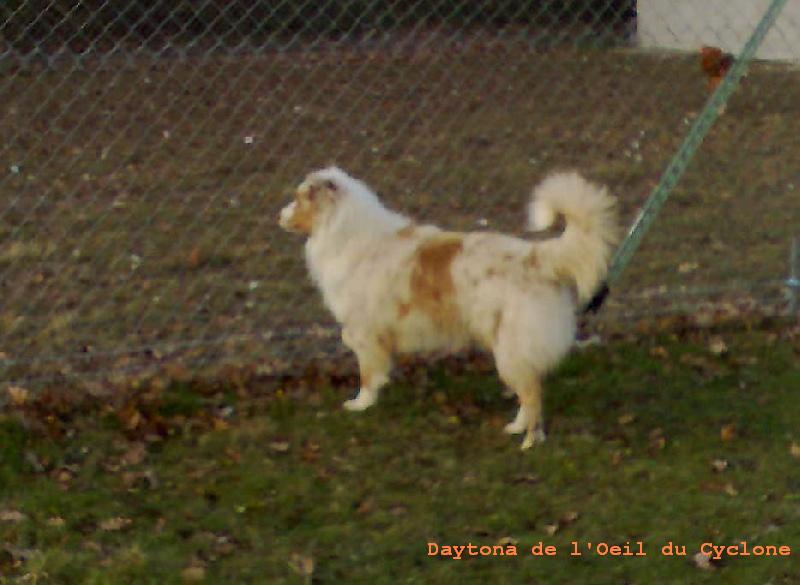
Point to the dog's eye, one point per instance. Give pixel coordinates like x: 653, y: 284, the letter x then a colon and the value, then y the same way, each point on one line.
x: 330, y: 185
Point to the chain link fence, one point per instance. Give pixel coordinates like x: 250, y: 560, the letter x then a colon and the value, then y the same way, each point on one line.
x: 147, y: 147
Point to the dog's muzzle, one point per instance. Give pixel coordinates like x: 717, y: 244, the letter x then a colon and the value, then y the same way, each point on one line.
x: 285, y: 217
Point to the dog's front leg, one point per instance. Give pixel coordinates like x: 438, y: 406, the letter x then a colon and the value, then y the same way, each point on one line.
x: 374, y: 364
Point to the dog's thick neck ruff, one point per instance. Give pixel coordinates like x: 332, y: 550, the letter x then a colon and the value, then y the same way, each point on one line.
x: 344, y: 222
x: 356, y: 213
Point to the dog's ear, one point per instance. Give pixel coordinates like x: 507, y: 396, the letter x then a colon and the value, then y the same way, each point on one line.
x: 327, y: 190
x: 322, y: 189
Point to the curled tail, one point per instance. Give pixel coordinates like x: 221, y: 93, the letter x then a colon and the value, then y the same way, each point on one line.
x: 581, y: 254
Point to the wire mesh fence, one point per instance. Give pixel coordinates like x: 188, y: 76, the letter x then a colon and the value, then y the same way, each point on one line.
x: 148, y: 146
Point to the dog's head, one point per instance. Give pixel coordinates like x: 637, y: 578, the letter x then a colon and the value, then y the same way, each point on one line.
x: 314, y: 200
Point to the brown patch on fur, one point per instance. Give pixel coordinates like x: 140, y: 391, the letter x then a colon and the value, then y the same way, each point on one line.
x: 309, y: 202
x: 403, y: 309
x: 306, y: 208
x: 432, y: 287
x: 302, y: 219
x: 406, y: 232
x: 532, y: 260
x: 364, y: 375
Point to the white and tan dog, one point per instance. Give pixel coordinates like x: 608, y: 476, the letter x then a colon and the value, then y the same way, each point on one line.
x: 396, y: 286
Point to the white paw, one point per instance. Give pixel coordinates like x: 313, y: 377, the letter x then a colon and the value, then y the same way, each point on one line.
x: 360, y: 402
x: 536, y: 436
x: 519, y: 424
x: 515, y: 427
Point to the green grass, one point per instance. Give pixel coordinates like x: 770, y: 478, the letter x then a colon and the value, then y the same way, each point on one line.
x: 634, y: 430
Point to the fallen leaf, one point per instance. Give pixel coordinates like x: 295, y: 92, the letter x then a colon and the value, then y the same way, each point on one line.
x: 717, y: 346
x: 686, y: 267
x: 398, y: 510
x: 193, y: 574
x: 311, y: 451
x: 569, y: 517
x: 657, y: 439
x: 703, y: 561
x: 224, y: 545
x: 366, y: 506
x: 92, y: 546
x: 302, y: 564
x: 115, y: 524
x: 659, y: 352
x: 18, y: 395
x: 130, y: 417
x: 712, y: 487
x: 55, y: 521
x: 529, y: 478
x: 719, y: 465
x: 550, y: 529
x: 64, y: 476
x: 727, y: 433
x: 220, y: 424
x: 794, y: 450
x: 194, y: 258
x: 704, y: 318
x: 11, y: 516
x: 507, y: 541
x: 135, y: 454
x: 626, y: 419
x: 279, y: 446
x: 730, y: 489
x: 140, y: 479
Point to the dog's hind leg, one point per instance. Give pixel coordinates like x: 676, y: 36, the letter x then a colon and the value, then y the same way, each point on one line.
x: 374, y: 364
x: 520, y: 422
x: 528, y: 388
x: 529, y: 416
x: 531, y: 401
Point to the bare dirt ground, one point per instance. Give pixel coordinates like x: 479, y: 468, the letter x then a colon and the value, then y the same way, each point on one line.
x: 138, y: 199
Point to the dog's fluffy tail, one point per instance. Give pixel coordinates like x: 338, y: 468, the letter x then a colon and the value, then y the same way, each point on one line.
x: 581, y: 254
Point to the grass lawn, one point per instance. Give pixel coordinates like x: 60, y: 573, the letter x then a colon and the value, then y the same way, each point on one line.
x: 683, y: 437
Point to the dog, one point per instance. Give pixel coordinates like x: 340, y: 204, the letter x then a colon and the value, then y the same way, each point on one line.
x: 396, y: 286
